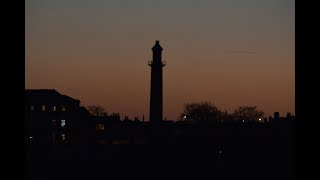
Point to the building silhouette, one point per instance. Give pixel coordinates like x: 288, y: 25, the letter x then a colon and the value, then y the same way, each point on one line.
x: 277, y: 118
x: 156, y: 104
x: 53, y: 119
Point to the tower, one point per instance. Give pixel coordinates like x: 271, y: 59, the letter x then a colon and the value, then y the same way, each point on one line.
x: 156, y: 84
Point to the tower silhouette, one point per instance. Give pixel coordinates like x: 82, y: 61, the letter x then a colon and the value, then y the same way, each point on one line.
x: 156, y: 84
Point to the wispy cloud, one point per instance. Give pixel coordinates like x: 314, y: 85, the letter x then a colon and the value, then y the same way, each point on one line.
x: 241, y: 52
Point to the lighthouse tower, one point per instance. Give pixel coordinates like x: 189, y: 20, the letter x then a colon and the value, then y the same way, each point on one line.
x: 156, y: 111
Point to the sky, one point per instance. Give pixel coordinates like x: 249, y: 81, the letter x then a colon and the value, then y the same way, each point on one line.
x: 228, y: 52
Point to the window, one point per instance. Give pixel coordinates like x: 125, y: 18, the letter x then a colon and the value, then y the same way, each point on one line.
x: 63, y: 136
x: 43, y: 107
x: 32, y: 108
x: 54, y: 108
x: 63, y: 123
x: 54, y: 138
x: 63, y: 108
x: 102, y: 141
x: 100, y: 127
x: 54, y: 122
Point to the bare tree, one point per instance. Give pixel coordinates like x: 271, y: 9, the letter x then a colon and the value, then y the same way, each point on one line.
x: 200, y: 113
x: 96, y: 110
x: 225, y: 116
x: 247, y: 114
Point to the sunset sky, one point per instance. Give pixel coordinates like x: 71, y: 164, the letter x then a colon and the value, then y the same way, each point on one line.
x: 228, y: 52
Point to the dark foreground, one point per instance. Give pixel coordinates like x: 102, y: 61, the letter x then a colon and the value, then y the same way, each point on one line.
x: 227, y: 157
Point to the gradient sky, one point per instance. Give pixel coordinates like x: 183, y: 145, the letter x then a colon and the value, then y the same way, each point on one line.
x: 229, y: 52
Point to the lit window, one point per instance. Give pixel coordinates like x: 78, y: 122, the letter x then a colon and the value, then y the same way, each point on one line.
x: 63, y: 136
x: 63, y: 123
x: 43, y: 107
x: 32, y: 108
x: 54, y: 108
x: 100, y: 127
x: 63, y: 108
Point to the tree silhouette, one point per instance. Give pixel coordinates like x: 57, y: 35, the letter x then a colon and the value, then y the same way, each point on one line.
x: 225, y: 116
x: 96, y: 110
x: 200, y: 113
x: 247, y: 114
